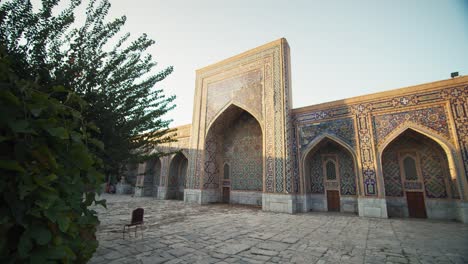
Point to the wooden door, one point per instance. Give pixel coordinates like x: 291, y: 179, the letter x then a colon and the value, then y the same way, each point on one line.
x: 416, y: 206
x: 333, y: 201
x: 226, y: 195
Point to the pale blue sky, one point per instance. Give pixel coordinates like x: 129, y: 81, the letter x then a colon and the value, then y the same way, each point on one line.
x: 339, y: 49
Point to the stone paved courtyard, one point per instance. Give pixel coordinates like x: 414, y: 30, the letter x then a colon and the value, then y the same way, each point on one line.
x: 179, y: 233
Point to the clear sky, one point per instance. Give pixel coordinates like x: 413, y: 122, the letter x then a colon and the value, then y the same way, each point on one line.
x: 339, y: 49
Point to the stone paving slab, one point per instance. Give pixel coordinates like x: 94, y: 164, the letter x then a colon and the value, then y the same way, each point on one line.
x: 176, y: 232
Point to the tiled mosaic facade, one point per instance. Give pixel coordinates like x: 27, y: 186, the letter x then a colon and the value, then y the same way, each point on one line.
x: 257, y: 84
x: 242, y: 150
x: 245, y: 88
x: 234, y: 139
x: 434, y: 118
x: 211, y: 169
x: 315, y: 175
x: 346, y: 171
x: 213, y: 151
x: 391, y: 173
x: 435, y: 178
x: 340, y: 128
x: 377, y: 119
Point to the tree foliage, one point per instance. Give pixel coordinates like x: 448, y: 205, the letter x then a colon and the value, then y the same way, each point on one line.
x: 48, y: 172
x: 113, y: 74
x: 56, y: 81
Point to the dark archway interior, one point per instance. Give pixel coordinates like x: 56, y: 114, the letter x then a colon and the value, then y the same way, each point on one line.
x: 148, y: 179
x: 177, y: 175
x: 152, y: 177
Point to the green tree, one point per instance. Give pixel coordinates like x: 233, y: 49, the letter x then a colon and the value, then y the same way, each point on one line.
x: 49, y: 175
x: 115, y: 76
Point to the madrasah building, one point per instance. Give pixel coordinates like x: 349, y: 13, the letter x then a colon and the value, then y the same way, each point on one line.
x: 400, y: 153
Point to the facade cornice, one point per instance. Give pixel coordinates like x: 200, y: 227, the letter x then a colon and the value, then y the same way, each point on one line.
x: 462, y: 80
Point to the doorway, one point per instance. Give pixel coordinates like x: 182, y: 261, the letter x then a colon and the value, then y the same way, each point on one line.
x: 333, y: 200
x: 416, y: 206
x: 226, y: 194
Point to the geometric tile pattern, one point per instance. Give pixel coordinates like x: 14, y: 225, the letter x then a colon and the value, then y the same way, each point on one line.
x: 211, y: 169
x: 279, y: 125
x: 368, y: 120
x: 341, y: 128
x: 363, y: 124
x: 433, y: 164
x: 316, y: 174
x: 346, y: 171
x: 242, y: 149
x: 235, y: 138
x: 245, y: 88
x: 367, y: 155
x: 432, y: 169
x: 391, y: 172
x: 236, y: 80
x: 295, y: 159
x: 270, y: 81
x: 458, y: 97
x: 433, y: 118
x: 289, y: 153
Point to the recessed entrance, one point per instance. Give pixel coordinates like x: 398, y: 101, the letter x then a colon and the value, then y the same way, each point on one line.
x: 416, y: 207
x: 234, y: 157
x: 177, y: 173
x: 416, y: 175
x: 226, y: 194
x: 333, y: 201
x: 329, y: 169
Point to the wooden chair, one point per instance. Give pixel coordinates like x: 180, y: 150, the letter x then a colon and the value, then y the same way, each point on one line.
x: 137, y: 220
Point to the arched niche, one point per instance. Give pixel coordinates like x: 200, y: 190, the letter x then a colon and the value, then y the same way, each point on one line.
x: 235, y: 139
x: 418, y: 173
x: 328, y: 154
x: 177, y: 174
x: 148, y: 178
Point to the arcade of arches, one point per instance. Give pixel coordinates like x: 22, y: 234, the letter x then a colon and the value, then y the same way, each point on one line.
x: 400, y: 153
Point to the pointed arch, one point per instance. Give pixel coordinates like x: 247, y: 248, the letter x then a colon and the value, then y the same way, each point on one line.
x: 185, y: 152
x: 310, y: 150
x: 235, y: 136
x: 444, y: 143
x: 226, y: 171
x: 224, y: 111
x: 182, y: 152
x: 177, y: 175
x: 454, y: 160
x: 331, y: 137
